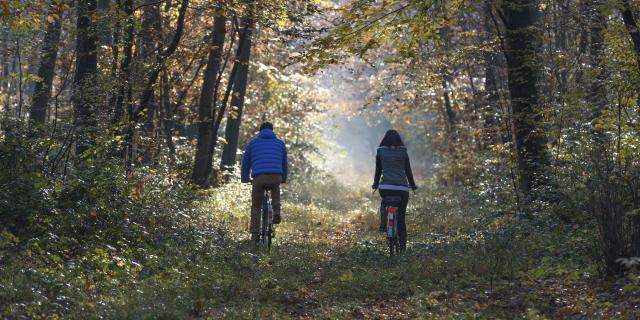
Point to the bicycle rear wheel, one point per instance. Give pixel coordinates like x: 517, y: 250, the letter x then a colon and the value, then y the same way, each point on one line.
x: 269, y: 237
x: 391, y: 246
x: 264, y: 232
x: 394, y: 246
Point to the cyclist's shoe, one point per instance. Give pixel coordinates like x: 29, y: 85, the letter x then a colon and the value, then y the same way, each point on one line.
x: 276, y: 217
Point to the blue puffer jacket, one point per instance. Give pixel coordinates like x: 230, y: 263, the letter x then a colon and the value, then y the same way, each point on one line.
x: 265, y: 154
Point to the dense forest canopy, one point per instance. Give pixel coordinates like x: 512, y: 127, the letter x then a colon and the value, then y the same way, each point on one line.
x: 123, y: 124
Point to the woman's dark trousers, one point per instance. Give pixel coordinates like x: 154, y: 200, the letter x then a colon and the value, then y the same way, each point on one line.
x: 402, y: 209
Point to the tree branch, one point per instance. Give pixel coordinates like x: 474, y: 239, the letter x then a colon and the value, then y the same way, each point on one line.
x: 148, y: 92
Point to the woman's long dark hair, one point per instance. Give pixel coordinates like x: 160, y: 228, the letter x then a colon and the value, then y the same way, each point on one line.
x: 391, y: 139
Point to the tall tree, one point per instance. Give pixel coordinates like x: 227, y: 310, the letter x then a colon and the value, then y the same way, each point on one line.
x: 151, y: 39
x: 86, y: 71
x: 168, y: 108
x: 103, y: 23
x: 148, y: 92
x: 203, y: 162
x: 522, y: 39
x: 632, y: 27
x: 234, y: 120
x: 145, y: 106
x: 491, y: 87
x: 124, y: 85
x: 597, y: 94
x: 46, y: 69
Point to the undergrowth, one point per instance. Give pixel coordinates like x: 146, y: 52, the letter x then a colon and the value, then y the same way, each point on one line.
x: 101, y: 243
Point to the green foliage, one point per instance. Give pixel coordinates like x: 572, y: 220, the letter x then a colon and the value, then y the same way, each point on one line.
x: 21, y: 196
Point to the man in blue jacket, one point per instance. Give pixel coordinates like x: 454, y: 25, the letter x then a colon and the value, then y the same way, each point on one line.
x: 265, y: 160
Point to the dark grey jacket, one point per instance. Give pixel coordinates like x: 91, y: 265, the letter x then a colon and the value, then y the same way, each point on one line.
x: 393, y: 166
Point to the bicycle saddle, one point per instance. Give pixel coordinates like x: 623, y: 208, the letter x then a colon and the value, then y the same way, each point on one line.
x: 270, y: 186
x: 391, y: 199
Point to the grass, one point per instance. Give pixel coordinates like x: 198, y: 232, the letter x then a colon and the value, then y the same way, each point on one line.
x: 325, y: 264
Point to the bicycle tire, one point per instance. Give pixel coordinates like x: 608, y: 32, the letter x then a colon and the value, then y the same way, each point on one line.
x: 269, y: 237
x: 391, y: 246
x: 263, y: 218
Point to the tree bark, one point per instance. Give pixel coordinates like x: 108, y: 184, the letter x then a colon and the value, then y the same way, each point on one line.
x: 632, y: 28
x: 523, y: 66
x: 86, y: 70
x: 46, y: 71
x: 104, y: 36
x: 203, y: 164
x: 491, y: 94
x: 124, y: 85
x: 151, y: 41
x: 234, y: 120
x: 634, y: 33
x: 597, y: 94
x: 168, y: 107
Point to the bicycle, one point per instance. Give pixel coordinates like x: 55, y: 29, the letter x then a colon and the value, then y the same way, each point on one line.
x: 392, y: 223
x: 267, y: 230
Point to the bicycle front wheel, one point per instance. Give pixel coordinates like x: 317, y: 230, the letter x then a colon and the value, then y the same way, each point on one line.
x: 264, y: 233
x: 269, y: 237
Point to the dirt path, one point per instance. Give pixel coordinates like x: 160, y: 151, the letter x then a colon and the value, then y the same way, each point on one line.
x: 306, y: 302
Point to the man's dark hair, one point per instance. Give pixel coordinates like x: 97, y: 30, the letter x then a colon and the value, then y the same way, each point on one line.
x: 391, y: 139
x: 266, y: 125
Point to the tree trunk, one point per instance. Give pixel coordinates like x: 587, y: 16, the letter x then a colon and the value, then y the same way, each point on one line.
x: 521, y: 41
x: 46, y: 71
x: 167, y: 113
x: 86, y: 70
x: 151, y: 41
x: 583, y: 40
x: 168, y: 107
x: 124, y: 96
x: 634, y: 33
x: 449, y: 114
x: 632, y: 28
x: 234, y: 120
x: 597, y: 94
x: 124, y: 85
x: 105, y: 37
x: 202, y: 164
x: 491, y: 95
x: 4, y: 75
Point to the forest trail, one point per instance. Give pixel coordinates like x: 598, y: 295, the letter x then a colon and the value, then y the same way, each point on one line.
x: 350, y: 276
x: 338, y: 238
x: 327, y: 262
x: 123, y: 125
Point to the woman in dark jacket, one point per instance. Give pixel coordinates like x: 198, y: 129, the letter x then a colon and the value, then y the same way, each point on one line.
x: 393, y: 177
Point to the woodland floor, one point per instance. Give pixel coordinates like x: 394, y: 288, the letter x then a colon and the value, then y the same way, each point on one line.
x: 324, y: 265
x: 352, y: 277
